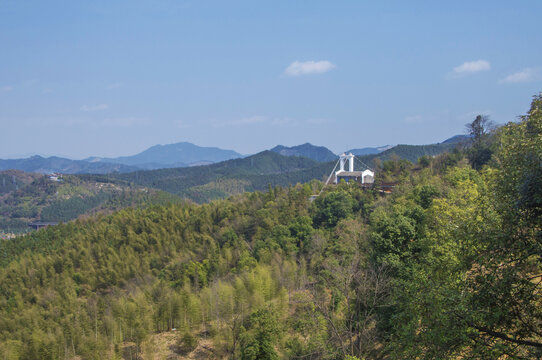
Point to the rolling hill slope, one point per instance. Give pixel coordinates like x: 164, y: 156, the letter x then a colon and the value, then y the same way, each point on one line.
x: 412, y: 152
x: 29, y: 197
x: 243, y: 174
x: 317, y: 153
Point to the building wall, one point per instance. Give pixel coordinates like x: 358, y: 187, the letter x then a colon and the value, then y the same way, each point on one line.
x: 348, y: 178
x: 368, y: 179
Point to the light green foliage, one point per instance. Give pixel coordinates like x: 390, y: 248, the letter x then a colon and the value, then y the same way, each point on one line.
x: 476, y: 292
x: 446, y: 267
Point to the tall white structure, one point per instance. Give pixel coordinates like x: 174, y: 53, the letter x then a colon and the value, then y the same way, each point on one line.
x: 362, y: 177
x: 343, y: 158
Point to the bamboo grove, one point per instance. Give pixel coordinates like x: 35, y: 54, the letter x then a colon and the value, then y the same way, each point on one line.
x: 447, y: 266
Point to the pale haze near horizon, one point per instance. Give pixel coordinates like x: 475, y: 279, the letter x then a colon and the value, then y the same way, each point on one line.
x: 111, y: 79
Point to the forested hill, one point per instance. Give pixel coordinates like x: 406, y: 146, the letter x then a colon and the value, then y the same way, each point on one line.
x: 412, y: 152
x: 202, y: 183
x: 28, y: 197
x: 449, y: 266
x: 256, y: 172
x: 318, y: 153
x: 11, y: 180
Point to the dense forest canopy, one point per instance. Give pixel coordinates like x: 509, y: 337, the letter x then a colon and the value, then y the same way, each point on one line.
x: 447, y: 266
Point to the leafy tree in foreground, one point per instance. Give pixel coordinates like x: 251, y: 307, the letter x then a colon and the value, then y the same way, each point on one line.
x: 477, y: 290
x: 480, y: 129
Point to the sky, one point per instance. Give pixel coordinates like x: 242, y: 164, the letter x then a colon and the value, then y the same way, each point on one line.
x: 112, y: 78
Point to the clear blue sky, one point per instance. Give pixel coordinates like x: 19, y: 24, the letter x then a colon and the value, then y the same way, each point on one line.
x: 110, y: 78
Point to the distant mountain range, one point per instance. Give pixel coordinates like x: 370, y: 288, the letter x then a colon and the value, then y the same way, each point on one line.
x: 157, y: 157
x: 317, y: 153
x: 173, y: 155
x: 54, y: 164
x: 281, y: 166
x: 185, y: 154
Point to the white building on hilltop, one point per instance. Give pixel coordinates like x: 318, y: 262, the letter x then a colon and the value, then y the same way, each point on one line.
x: 362, y: 177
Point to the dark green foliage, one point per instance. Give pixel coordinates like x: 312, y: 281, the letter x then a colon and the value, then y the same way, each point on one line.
x: 254, y: 173
x: 333, y: 207
x: 425, y: 194
x: 481, y: 150
x: 259, y: 338
x: 301, y: 229
x: 479, y: 156
x: 424, y: 161
x: 530, y: 196
x: 392, y: 238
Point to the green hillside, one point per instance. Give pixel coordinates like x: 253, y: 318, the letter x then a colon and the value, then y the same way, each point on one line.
x: 11, y: 180
x: 413, y: 152
x: 247, y: 174
x: 28, y: 197
x: 448, y: 266
x: 318, y: 153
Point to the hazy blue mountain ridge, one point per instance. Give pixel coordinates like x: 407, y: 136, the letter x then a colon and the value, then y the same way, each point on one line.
x: 53, y: 164
x: 156, y: 157
x: 173, y: 155
x: 184, y: 154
